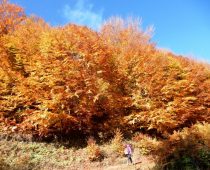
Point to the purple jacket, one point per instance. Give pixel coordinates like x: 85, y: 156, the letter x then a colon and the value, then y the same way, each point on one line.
x: 128, y: 149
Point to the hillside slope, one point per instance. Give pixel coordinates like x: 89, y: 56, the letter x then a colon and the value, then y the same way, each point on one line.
x: 58, y: 80
x: 67, y: 80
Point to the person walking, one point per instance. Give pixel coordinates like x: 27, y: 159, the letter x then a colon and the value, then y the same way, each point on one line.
x: 128, y: 153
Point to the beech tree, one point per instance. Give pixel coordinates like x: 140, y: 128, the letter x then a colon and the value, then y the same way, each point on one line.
x: 10, y: 16
x: 56, y: 80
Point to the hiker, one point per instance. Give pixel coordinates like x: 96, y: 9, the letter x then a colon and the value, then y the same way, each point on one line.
x: 128, y: 153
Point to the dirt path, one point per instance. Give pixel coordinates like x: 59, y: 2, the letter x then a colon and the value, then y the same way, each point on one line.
x: 138, y: 166
x: 143, y: 163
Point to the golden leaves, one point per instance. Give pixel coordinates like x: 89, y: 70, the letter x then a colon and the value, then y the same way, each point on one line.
x: 81, y: 79
x: 10, y: 16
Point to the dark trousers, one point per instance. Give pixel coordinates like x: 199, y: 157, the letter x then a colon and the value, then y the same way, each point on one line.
x: 129, y: 158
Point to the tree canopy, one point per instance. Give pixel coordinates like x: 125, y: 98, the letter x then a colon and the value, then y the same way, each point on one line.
x: 56, y: 80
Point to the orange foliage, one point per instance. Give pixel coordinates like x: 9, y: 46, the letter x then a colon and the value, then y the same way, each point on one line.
x: 10, y: 16
x: 189, y: 147
x: 93, y: 151
x: 59, y: 79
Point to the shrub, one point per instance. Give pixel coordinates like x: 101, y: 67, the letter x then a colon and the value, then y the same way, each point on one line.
x: 187, y: 149
x: 117, y: 143
x: 145, y: 143
x: 93, y: 151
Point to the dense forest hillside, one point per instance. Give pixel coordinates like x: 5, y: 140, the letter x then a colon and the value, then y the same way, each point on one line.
x: 61, y: 80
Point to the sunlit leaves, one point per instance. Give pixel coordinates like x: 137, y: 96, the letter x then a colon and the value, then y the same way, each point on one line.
x: 10, y: 16
x: 61, y: 79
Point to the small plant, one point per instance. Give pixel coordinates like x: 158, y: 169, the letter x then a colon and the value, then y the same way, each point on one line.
x: 145, y: 143
x: 93, y: 151
x: 117, y: 143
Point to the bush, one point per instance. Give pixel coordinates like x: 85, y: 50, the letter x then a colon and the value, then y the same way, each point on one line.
x: 145, y: 143
x: 117, y: 146
x: 187, y: 149
x: 93, y: 151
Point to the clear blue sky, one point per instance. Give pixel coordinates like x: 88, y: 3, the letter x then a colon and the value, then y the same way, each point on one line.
x: 182, y: 26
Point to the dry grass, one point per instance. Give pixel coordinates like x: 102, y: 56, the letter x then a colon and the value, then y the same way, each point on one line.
x: 25, y: 155
x: 19, y: 155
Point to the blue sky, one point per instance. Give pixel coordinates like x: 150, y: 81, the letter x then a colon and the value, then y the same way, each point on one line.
x: 181, y: 26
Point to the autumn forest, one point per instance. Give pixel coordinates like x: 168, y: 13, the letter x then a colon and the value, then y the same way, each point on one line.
x: 59, y: 81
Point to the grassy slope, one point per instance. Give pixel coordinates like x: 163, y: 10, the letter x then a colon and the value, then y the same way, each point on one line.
x: 32, y: 155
